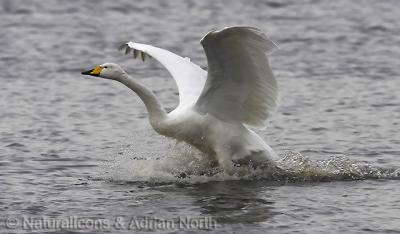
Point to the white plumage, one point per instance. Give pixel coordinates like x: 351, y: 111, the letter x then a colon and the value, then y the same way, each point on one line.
x: 215, y: 107
x: 189, y: 77
x: 240, y: 81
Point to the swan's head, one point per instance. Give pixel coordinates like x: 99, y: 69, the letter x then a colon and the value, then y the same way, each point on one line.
x: 110, y: 71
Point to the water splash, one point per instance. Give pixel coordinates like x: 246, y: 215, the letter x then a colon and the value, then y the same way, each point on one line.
x: 184, y: 164
x: 301, y: 168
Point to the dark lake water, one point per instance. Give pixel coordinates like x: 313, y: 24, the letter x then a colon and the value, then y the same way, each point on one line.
x: 77, y: 147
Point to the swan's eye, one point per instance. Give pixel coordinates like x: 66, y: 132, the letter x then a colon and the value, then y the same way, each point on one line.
x: 105, y: 67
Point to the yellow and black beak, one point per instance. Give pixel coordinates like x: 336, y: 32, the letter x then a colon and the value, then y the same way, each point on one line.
x: 93, y: 72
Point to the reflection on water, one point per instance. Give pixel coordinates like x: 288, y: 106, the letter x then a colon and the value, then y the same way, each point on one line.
x: 233, y: 202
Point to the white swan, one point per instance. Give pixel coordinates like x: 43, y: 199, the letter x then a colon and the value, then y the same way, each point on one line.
x: 214, y: 108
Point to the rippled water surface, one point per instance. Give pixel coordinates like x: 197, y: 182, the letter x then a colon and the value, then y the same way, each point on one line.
x: 75, y: 146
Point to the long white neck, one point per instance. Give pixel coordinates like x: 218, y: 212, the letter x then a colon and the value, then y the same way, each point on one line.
x: 157, y: 114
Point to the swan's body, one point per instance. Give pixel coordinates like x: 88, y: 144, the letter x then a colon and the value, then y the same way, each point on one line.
x: 227, y: 141
x: 214, y: 108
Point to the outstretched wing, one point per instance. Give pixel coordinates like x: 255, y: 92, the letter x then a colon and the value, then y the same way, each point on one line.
x: 189, y: 77
x: 240, y: 85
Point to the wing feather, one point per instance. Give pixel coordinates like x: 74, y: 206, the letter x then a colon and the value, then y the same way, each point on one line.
x: 240, y: 85
x: 189, y: 77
